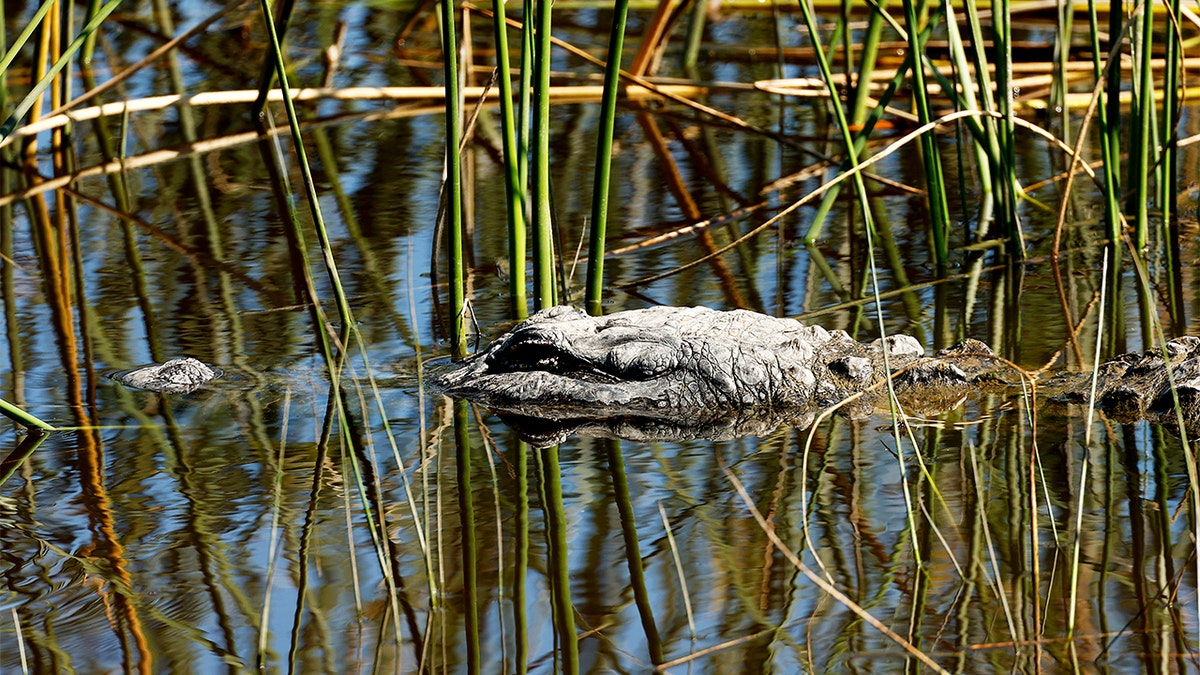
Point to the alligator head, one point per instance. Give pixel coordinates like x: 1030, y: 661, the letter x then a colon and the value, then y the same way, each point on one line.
x: 665, y: 363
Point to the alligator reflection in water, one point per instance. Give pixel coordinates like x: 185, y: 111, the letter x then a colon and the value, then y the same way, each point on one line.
x: 667, y: 373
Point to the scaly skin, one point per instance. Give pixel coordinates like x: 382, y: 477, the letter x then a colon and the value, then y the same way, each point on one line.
x: 677, y: 370
x: 669, y: 363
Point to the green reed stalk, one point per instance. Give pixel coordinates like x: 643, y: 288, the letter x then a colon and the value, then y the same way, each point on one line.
x: 1142, y: 133
x: 18, y: 415
x: 1110, y: 161
x: 267, y: 75
x: 939, y: 209
x: 544, y: 293
x: 866, y: 63
x: 991, y: 139
x: 453, y: 186
x: 89, y: 45
x: 1168, y: 165
x: 694, y: 38
x: 24, y: 35
x: 1062, y: 54
x: 525, y: 102
x: 345, y: 316
x: 968, y: 101
x: 514, y: 188
x: 3, y: 71
x: 1009, y: 192
x: 858, y: 110
x: 600, y: 188
x: 1112, y: 88
x: 839, y: 113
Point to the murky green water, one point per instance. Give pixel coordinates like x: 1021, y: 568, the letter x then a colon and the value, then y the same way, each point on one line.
x: 224, y: 530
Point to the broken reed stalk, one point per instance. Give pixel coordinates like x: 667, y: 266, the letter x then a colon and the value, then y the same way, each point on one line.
x: 603, y: 167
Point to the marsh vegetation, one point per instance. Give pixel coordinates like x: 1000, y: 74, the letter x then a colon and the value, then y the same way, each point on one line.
x: 328, y: 209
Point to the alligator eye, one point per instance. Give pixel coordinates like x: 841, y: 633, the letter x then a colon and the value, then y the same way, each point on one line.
x: 526, y: 352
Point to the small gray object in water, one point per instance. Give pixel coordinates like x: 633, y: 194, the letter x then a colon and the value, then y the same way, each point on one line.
x: 177, y: 376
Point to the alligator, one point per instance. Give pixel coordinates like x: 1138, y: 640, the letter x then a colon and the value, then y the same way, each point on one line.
x: 678, y: 372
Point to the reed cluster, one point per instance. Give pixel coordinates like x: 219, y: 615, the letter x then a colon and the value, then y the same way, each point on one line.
x: 1107, y: 104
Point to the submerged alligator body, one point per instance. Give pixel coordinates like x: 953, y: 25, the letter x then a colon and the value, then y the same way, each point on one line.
x: 670, y: 372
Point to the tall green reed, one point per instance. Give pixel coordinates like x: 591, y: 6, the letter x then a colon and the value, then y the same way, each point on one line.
x: 1109, y: 141
x: 545, y: 292
x: 1142, y: 133
x: 935, y: 187
x: 514, y: 183
x: 452, y: 190
x: 603, y: 167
